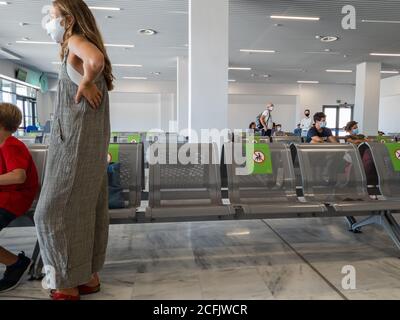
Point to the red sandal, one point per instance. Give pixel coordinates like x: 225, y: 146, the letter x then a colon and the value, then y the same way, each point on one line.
x: 57, y: 296
x: 85, y: 290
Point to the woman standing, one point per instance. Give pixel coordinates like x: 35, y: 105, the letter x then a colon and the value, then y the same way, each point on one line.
x: 72, y: 213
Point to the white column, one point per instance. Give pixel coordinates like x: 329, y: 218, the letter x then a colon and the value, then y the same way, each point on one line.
x: 167, y: 112
x: 208, y: 64
x: 182, y: 93
x: 368, y: 85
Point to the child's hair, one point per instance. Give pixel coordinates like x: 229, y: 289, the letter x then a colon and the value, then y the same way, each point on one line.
x: 10, y: 117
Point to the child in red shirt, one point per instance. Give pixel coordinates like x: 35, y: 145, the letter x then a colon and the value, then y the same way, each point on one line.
x: 18, y: 187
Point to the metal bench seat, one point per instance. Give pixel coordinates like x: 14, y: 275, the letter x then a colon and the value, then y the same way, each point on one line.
x: 286, y: 139
x: 131, y: 172
x: 362, y: 207
x: 184, y: 191
x: 266, y: 195
x: 333, y: 174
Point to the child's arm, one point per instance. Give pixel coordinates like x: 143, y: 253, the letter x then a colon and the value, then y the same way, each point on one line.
x: 17, y: 176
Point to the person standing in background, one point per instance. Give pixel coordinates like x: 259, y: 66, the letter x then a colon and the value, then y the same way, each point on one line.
x: 265, y: 121
x: 306, y: 123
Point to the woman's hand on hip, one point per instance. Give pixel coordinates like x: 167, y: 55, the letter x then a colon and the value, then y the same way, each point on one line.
x: 92, y: 94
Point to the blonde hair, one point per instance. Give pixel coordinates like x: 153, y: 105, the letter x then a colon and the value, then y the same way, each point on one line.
x: 10, y: 117
x: 85, y: 25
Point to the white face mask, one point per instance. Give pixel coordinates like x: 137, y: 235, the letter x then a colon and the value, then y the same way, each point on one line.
x: 55, y: 30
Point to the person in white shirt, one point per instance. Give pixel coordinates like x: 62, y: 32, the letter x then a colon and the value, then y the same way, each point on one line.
x: 266, y: 120
x: 306, y: 123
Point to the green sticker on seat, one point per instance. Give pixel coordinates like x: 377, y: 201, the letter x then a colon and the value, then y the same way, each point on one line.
x: 394, y: 151
x: 135, y: 138
x: 259, y: 160
x: 113, y: 153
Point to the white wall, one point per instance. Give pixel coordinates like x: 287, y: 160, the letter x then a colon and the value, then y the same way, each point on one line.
x: 45, y: 106
x: 290, y: 100
x: 389, y: 108
x: 314, y: 97
x: 134, y: 112
x: 243, y: 109
x: 389, y: 114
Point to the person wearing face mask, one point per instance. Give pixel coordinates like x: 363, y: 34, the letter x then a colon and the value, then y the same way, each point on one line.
x: 266, y: 120
x: 319, y: 132
x: 353, y: 133
x: 278, y: 131
x: 306, y: 123
x: 72, y: 213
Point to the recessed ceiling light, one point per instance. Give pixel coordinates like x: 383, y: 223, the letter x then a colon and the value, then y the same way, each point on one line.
x: 328, y: 38
x: 155, y: 73
x: 23, y: 24
x: 105, y: 8
x: 339, y: 70
x: 380, y: 21
x: 127, y: 65
x: 231, y: 80
x: 296, y: 18
x: 390, y: 72
x: 239, y: 69
x: 135, y: 78
x: 4, y: 3
x: 307, y: 81
x: 385, y: 54
x: 257, y: 51
x: 147, y: 32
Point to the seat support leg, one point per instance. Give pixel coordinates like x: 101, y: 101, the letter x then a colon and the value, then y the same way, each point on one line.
x: 35, y: 272
x: 352, y: 221
x: 385, y: 220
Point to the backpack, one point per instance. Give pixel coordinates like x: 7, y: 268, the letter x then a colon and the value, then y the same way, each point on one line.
x: 258, y: 122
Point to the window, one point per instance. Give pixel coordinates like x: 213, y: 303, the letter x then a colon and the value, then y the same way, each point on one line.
x: 23, y: 97
x: 337, y: 117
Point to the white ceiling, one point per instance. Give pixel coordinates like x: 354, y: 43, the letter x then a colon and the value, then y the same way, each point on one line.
x: 250, y: 28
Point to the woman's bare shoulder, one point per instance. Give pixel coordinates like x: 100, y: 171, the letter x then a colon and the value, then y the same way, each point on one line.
x: 76, y: 40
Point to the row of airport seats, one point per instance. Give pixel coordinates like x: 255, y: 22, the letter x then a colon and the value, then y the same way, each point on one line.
x: 331, y: 178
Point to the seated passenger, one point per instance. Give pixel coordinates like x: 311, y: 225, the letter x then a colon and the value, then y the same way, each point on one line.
x: 353, y: 134
x: 253, y: 126
x: 297, y: 131
x: 319, y: 132
x: 18, y: 188
x: 278, y: 131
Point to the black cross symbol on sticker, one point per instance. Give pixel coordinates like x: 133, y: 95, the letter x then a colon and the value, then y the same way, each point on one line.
x: 258, y: 157
x: 397, y: 153
x: 133, y: 141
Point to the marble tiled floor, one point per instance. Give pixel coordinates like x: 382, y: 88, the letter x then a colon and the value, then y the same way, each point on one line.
x: 259, y: 259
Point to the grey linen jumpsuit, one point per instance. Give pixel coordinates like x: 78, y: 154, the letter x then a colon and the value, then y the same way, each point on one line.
x: 72, y: 213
